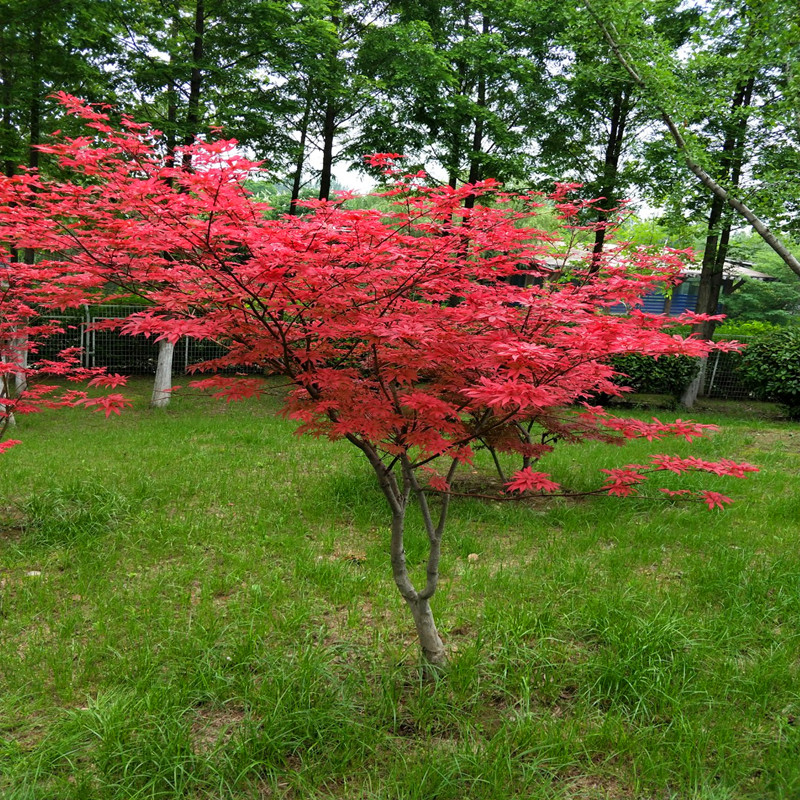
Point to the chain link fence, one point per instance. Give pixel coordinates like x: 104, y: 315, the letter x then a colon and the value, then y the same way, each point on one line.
x: 722, y: 378
x: 138, y: 355
x: 129, y: 355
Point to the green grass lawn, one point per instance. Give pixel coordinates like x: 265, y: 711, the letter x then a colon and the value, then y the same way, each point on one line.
x: 197, y: 604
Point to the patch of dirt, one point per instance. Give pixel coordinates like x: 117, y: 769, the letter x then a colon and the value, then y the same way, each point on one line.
x: 213, y: 727
x: 11, y: 533
x: 662, y: 571
x: 12, y: 523
x: 597, y: 787
x: 781, y: 439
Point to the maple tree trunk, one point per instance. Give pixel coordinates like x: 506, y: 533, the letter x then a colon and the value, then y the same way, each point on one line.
x: 163, y: 382
x: 433, y: 649
x: 398, y: 495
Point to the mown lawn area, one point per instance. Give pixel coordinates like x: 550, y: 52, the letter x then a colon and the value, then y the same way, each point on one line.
x: 198, y: 604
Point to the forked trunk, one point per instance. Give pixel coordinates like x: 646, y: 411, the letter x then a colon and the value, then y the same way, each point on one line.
x: 433, y: 650
x: 398, y: 494
x: 162, y: 386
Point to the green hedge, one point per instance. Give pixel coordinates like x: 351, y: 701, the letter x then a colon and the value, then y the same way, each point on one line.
x: 649, y: 375
x: 770, y: 367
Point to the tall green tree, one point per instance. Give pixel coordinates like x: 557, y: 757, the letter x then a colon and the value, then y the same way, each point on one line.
x: 48, y: 46
x: 190, y: 64
x: 593, y: 132
x: 462, y: 85
x: 757, y: 43
x: 725, y: 91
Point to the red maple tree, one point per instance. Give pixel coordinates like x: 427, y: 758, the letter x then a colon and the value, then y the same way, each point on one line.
x: 415, y: 334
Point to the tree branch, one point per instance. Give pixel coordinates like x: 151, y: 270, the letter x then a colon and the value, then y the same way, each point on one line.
x: 610, y: 34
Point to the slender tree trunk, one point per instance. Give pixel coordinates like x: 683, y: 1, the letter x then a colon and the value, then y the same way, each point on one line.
x: 196, y: 79
x: 172, y: 123
x: 708, y: 294
x: 707, y: 299
x: 476, y: 159
x: 20, y: 345
x: 297, y: 181
x: 7, y: 136
x: 329, y: 119
x: 717, y: 240
x: 453, y: 159
x: 171, y: 133
x: 455, y: 156
x: 433, y: 649
x: 398, y: 495
x: 328, y: 137
x: 608, y: 189
x: 6, y: 392
x: 716, y: 247
x: 162, y: 385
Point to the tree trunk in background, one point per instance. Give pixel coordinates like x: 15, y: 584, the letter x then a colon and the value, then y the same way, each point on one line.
x: 717, y: 239
x: 475, y: 163
x: 452, y: 172
x: 162, y: 386
x: 35, y: 128
x: 7, y: 134
x: 196, y: 80
x: 608, y: 188
x: 301, y: 157
x: 328, y: 136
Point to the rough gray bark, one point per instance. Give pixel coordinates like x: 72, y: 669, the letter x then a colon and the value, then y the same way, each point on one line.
x: 162, y: 385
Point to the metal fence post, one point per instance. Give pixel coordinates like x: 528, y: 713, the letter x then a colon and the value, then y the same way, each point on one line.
x: 84, y: 336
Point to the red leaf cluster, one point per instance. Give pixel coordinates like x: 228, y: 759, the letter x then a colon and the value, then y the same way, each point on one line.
x: 413, y: 333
